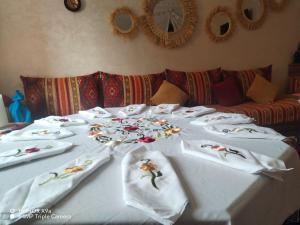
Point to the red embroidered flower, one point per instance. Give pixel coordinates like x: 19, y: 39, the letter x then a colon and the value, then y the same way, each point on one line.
x: 131, y: 128
x: 218, y: 148
x: 32, y: 150
x: 117, y: 119
x: 146, y: 139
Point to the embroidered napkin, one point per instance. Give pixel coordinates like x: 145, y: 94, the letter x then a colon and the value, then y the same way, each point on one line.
x: 233, y: 157
x: 32, y: 152
x: 193, y: 112
x: 131, y: 110
x: 46, y: 190
x: 151, y: 185
x: 222, y: 118
x: 165, y: 108
x: 96, y: 112
x: 59, y: 121
x: 244, y: 131
x: 37, y: 134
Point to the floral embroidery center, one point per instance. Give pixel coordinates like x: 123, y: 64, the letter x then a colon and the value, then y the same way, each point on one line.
x: 150, y: 169
x: 220, y: 148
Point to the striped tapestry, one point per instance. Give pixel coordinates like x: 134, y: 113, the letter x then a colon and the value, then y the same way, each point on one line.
x: 198, y: 85
x: 61, y: 96
x: 121, y: 90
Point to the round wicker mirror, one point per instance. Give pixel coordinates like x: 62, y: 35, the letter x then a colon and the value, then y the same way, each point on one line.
x: 251, y: 13
x: 169, y: 23
x: 124, y: 22
x: 220, y: 24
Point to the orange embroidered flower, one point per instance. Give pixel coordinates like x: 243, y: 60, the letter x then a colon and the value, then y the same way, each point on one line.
x: 218, y: 148
x: 73, y: 169
x: 172, y: 131
x: 96, y: 126
x: 160, y: 122
x: 95, y: 134
x: 148, y: 166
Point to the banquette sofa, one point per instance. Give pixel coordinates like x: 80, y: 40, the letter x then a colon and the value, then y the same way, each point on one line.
x: 67, y: 95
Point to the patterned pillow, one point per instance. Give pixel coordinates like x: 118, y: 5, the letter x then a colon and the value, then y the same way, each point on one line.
x: 121, y: 90
x: 60, y: 96
x: 198, y: 85
x: 246, y: 77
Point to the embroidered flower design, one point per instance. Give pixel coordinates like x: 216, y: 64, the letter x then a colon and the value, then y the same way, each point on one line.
x: 226, y: 151
x: 150, y: 169
x: 171, y: 131
x: 95, y: 134
x: 117, y: 119
x: 146, y: 139
x: 32, y: 150
x: 69, y: 171
x: 131, y: 128
x: 160, y: 122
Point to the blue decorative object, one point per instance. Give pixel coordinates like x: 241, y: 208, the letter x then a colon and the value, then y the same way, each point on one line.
x: 18, y: 111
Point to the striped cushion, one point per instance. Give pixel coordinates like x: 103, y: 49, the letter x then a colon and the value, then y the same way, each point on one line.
x: 61, y: 96
x: 281, y: 111
x: 294, y: 84
x: 246, y: 77
x: 121, y: 90
x: 198, y: 85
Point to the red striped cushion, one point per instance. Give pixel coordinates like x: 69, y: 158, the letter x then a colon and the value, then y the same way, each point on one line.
x: 294, y: 84
x: 61, y: 96
x: 121, y: 90
x: 198, y: 85
x: 246, y: 77
x: 281, y: 111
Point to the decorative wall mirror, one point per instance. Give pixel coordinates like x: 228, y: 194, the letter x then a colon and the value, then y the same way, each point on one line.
x: 278, y: 5
x: 220, y: 24
x: 169, y: 23
x: 124, y: 22
x: 252, y: 13
x: 73, y: 5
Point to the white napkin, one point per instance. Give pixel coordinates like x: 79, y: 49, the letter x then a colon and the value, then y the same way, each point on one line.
x: 50, y: 133
x: 59, y: 121
x: 222, y: 118
x: 131, y: 110
x: 193, y: 111
x: 32, y: 152
x: 165, y: 108
x: 46, y: 190
x: 233, y: 157
x: 244, y: 131
x: 163, y: 198
x: 96, y: 112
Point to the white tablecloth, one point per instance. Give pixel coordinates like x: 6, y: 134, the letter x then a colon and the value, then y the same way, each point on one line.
x: 217, y: 194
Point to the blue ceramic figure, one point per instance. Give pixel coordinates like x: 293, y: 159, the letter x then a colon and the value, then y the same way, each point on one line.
x: 18, y: 111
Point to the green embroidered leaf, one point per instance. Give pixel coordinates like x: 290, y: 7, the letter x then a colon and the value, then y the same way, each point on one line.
x: 159, y: 174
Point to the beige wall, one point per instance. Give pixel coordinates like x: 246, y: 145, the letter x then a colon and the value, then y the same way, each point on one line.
x: 41, y: 37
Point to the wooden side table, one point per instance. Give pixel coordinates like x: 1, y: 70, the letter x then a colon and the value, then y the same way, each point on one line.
x: 294, y: 78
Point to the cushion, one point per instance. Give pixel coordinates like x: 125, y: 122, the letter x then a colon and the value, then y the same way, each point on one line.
x: 169, y: 94
x: 60, y: 96
x: 286, y: 110
x: 228, y: 92
x: 198, y: 85
x: 246, y: 77
x: 122, y: 90
x: 262, y: 91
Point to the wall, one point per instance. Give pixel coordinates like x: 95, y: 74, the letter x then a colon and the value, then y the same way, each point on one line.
x: 41, y: 37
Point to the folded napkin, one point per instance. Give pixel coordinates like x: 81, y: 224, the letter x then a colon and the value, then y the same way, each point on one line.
x: 96, y: 112
x: 165, y: 108
x: 151, y: 185
x: 131, y: 110
x: 244, y: 131
x: 37, y: 134
x: 59, y: 121
x: 222, y: 118
x: 44, y: 191
x: 32, y: 152
x: 193, y: 112
x: 233, y: 157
